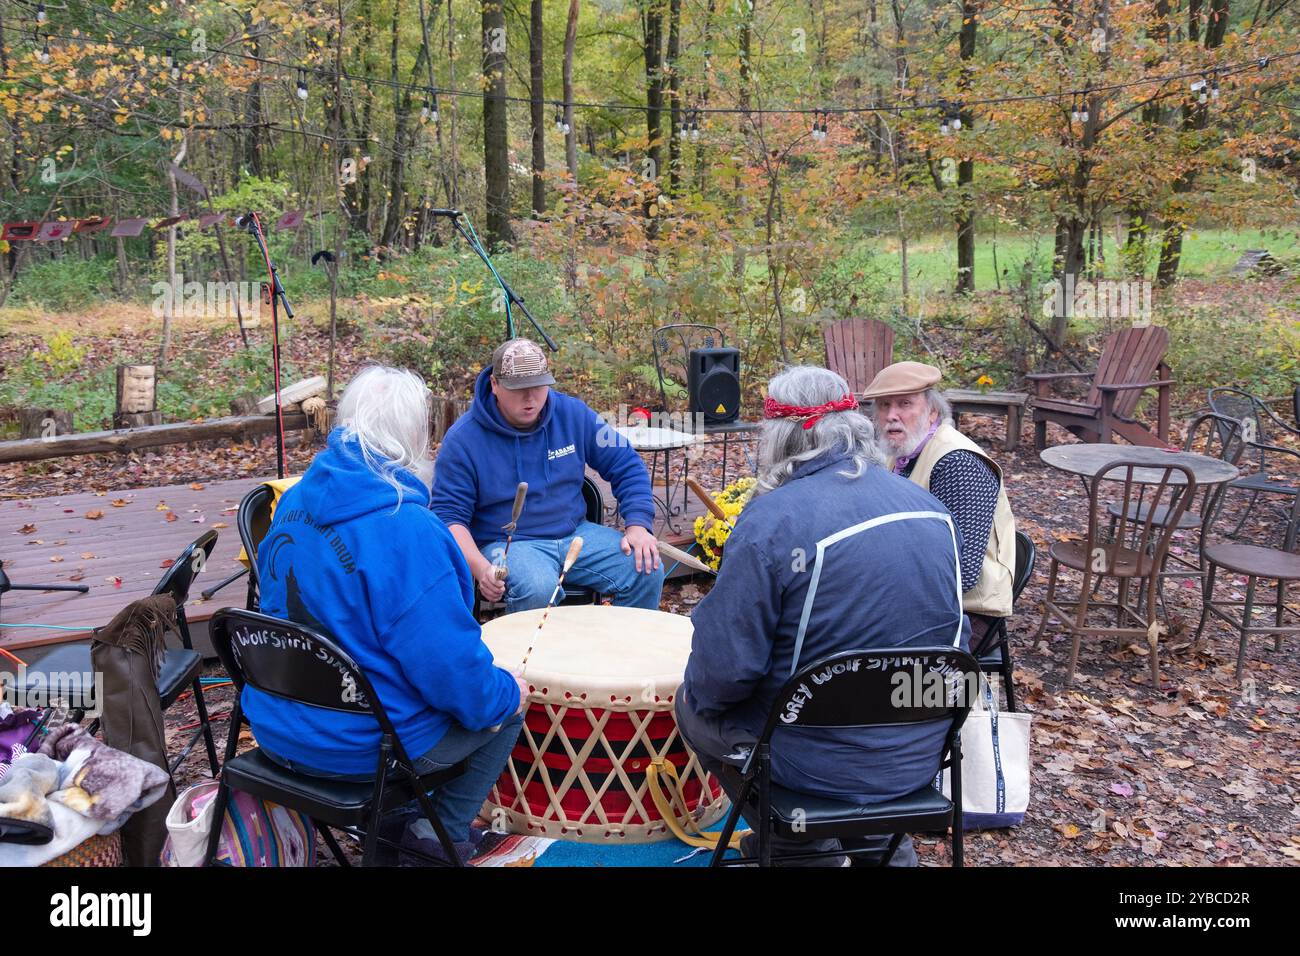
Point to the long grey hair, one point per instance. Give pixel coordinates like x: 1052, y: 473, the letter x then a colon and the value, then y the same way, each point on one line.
x: 784, y: 443
x: 387, y: 411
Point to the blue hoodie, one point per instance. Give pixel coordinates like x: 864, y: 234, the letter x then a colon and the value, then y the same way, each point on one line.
x: 483, y: 458
x: 388, y: 583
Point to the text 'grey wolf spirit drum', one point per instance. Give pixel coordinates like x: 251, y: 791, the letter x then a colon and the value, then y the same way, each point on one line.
x: 601, y: 684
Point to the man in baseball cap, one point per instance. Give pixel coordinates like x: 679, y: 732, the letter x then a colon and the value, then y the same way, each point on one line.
x: 519, y: 429
x: 915, y: 431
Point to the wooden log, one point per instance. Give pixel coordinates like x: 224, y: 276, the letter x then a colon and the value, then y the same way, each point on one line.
x: 43, y: 423
x: 136, y: 389
x: 176, y: 433
x: 444, y: 414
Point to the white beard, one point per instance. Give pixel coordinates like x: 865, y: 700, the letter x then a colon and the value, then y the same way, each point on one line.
x: 908, y: 444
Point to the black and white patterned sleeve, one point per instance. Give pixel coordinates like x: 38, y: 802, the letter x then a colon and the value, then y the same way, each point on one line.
x: 964, y: 482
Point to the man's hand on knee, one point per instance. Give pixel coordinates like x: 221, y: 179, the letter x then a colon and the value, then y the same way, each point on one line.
x: 640, y: 543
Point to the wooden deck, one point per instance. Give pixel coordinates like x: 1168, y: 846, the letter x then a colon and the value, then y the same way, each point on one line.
x: 120, y: 555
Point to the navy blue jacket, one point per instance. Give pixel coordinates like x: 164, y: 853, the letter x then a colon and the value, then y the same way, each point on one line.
x: 894, y: 584
x: 483, y: 458
x: 389, y: 584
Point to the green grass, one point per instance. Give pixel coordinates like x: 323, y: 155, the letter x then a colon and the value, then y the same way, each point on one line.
x: 932, y: 259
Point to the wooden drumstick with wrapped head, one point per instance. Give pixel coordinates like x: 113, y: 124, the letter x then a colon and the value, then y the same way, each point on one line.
x: 574, y: 548
x: 669, y: 553
x: 503, y: 569
x: 715, y: 509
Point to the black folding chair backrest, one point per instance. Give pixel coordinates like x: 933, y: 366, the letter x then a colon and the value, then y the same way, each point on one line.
x: 672, y: 346
x: 178, y: 578
x: 594, y: 501
x: 254, y: 521
x: 862, y: 689
x: 295, y: 663
x: 1026, y: 558
x: 1136, y: 527
x: 1295, y: 405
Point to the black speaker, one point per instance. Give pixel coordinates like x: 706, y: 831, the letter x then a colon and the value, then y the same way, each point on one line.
x: 713, y: 383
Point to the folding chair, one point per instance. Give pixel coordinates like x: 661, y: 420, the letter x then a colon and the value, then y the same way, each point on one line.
x: 998, y: 657
x: 253, y: 520
x: 857, y: 689
x: 285, y: 660
x: 180, y: 666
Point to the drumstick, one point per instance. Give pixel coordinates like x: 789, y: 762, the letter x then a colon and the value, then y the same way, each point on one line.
x: 569, y: 558
x: 714, y: 508
x: 669, y: 553
x: 502, y: 569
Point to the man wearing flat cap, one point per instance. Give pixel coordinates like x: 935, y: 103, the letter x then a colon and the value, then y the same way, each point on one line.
x: 915, y: 431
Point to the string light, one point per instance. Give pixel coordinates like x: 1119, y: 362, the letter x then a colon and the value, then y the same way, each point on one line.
x: 302, y: 84
x: 429, y: 111
x: 169, y: 60
x: 695, y: 126
x: 40, y: 13
x: 560, y: 125
x: 44, y: 55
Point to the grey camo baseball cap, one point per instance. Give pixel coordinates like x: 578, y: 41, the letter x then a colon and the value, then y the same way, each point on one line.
x: 521, y: 363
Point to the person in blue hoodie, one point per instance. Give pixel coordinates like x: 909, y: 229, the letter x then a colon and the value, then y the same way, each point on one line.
x: 883, y: 553
x: 520, y: 429
x: 354, y: 552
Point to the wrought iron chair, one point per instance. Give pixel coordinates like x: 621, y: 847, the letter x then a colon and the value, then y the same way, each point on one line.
x: 1258, y: 427
x: 1133, y: 553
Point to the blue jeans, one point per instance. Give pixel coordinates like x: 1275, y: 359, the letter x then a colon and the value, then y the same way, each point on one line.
x: 457, y: 801
x: 602, y: 566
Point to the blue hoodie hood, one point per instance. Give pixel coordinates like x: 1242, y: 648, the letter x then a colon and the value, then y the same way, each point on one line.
x: 483, y: 458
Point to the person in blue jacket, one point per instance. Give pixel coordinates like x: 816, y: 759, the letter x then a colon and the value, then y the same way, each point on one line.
x: 354, y: 552
x: 520, y: 429
x: 887, y: 575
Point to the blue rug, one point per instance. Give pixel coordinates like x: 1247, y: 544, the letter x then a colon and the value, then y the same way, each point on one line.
x: 663, y: 853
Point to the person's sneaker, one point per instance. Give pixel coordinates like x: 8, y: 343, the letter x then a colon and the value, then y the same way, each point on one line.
x: 419, y: 835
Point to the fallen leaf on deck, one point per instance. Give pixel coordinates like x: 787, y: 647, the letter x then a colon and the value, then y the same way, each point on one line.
x: 167, y: 562
x: 162, y: 506
x: 94, y: 515
x: 56, y: 558
x: 86, y: 555
x: 196, y: 486
x: 118, y: 503
x: 171, y: 516
x: 27, y: 529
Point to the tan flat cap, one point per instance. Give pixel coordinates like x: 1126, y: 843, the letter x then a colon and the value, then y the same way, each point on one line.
x: 902, y: 378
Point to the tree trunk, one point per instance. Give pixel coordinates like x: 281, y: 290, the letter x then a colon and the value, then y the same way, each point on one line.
x: 652, y: 25
x: 965, y: 218
x: 571, y: 137
x: 537, y: 80
x: 496, y: 146
x: 674, y: 97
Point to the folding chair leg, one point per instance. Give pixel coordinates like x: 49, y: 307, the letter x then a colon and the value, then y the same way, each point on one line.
x: 218, y: 821
x: 205, y: 726
x: 328, y: 836
x: 1007, y: 683
x: 894, y: 841
x: 435, y: 821
x: 729, y: 827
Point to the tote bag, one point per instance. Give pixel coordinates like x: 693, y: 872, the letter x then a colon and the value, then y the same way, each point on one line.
x: 254, y: 833
x: 994, y: 766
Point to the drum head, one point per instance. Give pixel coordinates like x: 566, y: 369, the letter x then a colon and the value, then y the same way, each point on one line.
x: 599, y: 650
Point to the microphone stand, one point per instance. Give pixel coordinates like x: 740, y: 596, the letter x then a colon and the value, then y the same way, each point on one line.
x: 278, y: 298
x: 511, y: 297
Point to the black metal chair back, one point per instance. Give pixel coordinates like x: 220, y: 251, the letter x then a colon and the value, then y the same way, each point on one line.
x: 1026, y: 558
x: 861, y: 689
x: 180, y: 576
x: 254, y: 521
x: 672, y: 345
x: 300, y: 664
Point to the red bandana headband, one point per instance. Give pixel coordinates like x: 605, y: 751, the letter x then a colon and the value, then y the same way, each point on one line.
x: 811, y: 414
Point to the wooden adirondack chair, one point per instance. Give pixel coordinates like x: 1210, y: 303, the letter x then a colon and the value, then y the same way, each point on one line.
x: 858, y: 349
x: 1131, y: 362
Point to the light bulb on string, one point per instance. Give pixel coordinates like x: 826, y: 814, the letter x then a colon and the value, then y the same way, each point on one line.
x: 695, y: 127
x: 169, y: 60
x: 44, y: 55
x: 302, y: 85
x: 429, y: 111
x: 1214, y: 86
x: 40, y: 13
x: 944, y: 127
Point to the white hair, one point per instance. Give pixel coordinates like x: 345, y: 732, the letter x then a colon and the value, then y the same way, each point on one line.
x: 940, y: 405
x: 784, y: 443
x: 387, y: 411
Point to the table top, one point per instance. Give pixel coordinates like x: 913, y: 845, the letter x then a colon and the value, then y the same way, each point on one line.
x: 991, y: 398
x: 645, y: 438
x: 1088, y: 459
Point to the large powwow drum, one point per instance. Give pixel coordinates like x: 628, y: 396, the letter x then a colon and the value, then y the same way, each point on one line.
x: 601, y: 686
